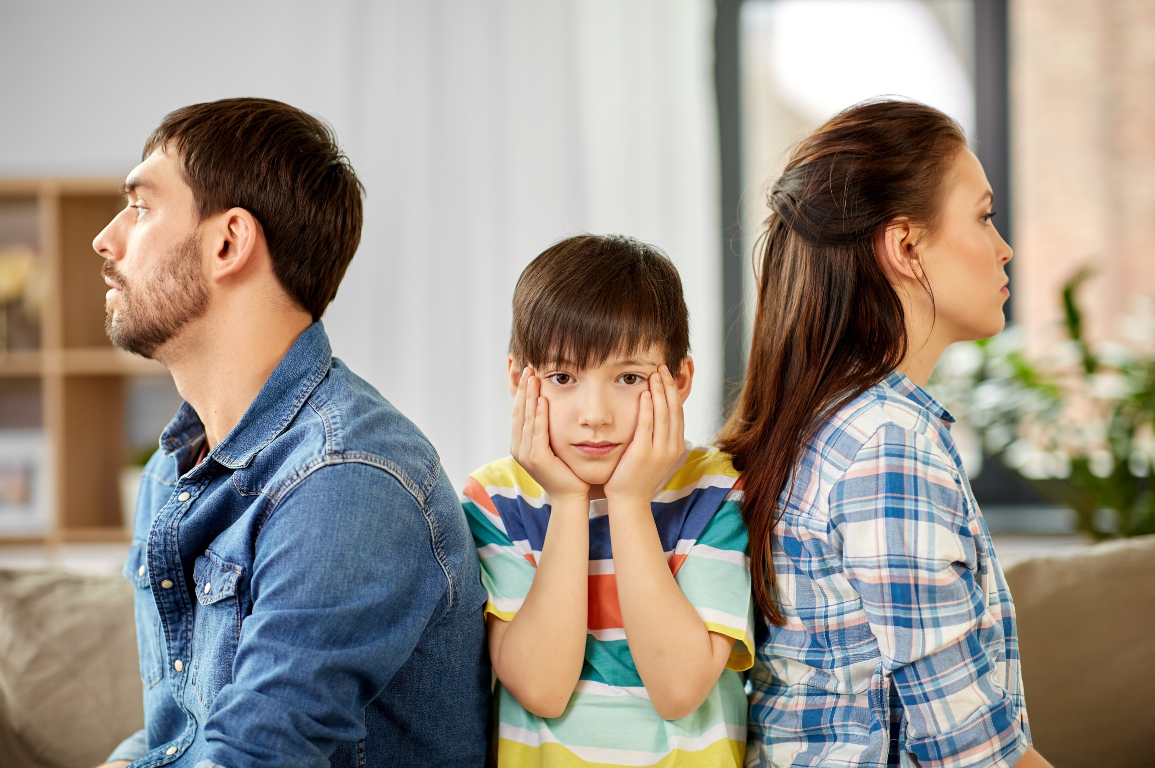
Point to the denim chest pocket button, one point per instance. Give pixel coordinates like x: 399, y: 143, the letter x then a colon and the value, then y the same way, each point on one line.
x: 215, y: 579
x: 217, y: 626
x: 136, y: 566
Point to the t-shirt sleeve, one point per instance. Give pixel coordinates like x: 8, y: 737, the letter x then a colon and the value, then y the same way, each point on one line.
x: 506, y: 573
x: 715, y: 578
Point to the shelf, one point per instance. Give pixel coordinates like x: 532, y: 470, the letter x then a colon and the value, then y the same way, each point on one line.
x: 77, y: 362
x: 76, y: 380
x: 95, y: 534
x: 20, y: 363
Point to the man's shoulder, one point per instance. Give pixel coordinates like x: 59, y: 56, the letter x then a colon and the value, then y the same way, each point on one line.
x: 346, y: 420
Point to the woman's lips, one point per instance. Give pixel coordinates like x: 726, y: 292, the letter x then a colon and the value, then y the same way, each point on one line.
x: 596, y: 449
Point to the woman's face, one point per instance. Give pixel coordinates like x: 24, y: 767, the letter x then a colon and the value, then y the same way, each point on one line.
x: 964, y: 259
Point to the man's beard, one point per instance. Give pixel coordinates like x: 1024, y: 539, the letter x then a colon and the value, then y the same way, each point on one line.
x: 170, y: 296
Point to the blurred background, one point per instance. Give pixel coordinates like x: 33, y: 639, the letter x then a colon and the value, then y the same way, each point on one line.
x: 485, y: 132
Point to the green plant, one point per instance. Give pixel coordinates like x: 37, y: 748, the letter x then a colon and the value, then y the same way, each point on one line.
x: 1076, y: 422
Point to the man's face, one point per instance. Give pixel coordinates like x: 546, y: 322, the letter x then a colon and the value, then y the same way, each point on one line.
x: 593, y: 412
x: 153, y: 261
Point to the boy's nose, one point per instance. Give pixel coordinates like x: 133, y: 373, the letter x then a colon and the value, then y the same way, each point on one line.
x: 596, y: 413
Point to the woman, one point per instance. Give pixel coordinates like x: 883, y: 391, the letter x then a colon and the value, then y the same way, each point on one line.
x: 888, y: 633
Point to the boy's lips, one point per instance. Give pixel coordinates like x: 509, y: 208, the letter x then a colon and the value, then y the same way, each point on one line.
x: 596, y: 449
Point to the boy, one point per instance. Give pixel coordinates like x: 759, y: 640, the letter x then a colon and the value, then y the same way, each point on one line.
x: 619, y: 608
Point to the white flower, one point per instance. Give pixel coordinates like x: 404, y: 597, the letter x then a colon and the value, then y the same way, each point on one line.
x: 1110, y: 386
x: 1101, y: 463
x: 1138, y: 464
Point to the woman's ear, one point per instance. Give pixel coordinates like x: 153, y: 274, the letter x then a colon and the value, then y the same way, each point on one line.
x: 894, y: 249
x: 684, y: 378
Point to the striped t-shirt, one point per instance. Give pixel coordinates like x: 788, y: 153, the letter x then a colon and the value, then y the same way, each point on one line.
x: 609, y: 720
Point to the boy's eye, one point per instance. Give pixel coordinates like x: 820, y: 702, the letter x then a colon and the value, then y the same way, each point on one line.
x: 561, y: 379
x: 631, y: 379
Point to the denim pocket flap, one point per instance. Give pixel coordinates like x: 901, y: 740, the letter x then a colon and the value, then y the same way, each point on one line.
x: 215, y: 579
x: 136, y: 566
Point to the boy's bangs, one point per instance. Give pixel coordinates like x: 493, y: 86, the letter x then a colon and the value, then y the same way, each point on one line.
x: 591, y: 298
x: 587, y: 339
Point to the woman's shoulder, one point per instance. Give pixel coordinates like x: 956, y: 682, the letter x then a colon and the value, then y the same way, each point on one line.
x: 885, y: 405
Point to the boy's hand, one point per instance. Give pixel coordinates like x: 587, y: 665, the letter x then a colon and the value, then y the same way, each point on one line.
x: 530, y: 447
x: 657, y: 445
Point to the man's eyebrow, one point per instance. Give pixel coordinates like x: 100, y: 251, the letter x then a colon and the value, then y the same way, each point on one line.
x: 133, y: 183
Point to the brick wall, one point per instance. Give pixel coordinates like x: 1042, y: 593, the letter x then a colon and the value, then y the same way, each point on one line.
x: 1083, y: 157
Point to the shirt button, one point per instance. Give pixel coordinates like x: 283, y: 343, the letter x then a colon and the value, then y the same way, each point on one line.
x: 140, y: 571
x: 166, y: 584
x: 183, y: 496
x: 208, y: 587
x: 170, y: 751
x: 178, y: 665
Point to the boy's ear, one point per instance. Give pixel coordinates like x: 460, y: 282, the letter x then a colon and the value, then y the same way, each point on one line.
x: 514, y: 376
x: 684, y: 378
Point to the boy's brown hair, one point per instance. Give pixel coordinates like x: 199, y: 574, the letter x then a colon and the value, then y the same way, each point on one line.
x: 590, y: 297
x: 284, y: 167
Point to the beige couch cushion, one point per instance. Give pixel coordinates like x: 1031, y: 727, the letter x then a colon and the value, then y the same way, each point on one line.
x: 1087, y: 636
x: 70, y: 686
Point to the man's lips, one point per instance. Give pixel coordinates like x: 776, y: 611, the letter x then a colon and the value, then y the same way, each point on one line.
x: 596, y: 449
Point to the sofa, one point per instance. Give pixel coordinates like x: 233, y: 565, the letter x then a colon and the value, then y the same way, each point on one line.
x: 70, y: 689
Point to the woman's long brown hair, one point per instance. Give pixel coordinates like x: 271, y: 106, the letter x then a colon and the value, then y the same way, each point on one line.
x: 829, y: 325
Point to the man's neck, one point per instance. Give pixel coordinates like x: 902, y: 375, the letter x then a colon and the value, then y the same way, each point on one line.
x: 220, y: 362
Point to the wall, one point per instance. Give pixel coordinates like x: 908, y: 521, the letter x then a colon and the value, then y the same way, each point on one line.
x: 482, y: 132
x: 1083, y: 158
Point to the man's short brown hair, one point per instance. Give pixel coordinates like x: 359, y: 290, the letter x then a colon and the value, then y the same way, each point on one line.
x: 284, y: 167
x: 590, y: 297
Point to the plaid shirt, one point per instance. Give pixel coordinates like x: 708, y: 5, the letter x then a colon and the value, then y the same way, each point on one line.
x: 900, y: 640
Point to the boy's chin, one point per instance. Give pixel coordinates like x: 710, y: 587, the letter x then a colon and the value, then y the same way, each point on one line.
x: 592, y: 472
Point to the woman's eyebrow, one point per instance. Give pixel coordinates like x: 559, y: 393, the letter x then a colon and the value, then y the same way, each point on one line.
x: 987, y: 196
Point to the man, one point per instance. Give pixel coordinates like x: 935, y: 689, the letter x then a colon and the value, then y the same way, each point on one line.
x: 307, y: 591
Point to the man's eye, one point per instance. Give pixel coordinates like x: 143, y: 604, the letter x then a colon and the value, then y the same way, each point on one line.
x: 139, y: 210
x: 561, y: 379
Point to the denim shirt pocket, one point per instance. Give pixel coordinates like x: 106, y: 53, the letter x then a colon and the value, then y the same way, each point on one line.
x: 147, y: 618
x: 218, y: 626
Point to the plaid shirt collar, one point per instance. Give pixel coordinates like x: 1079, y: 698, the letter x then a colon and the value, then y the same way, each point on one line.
x: 899, y: 383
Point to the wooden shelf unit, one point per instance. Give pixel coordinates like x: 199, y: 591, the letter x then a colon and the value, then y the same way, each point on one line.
x: 82, y: 377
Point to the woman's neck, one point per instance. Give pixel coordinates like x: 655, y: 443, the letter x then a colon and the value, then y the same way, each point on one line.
x: 925, y: 345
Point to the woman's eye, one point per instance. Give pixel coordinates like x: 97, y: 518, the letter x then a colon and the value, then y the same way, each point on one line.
x: 987, y: 219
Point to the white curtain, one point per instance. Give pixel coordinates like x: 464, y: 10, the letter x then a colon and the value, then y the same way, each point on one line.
x: 483, y: 132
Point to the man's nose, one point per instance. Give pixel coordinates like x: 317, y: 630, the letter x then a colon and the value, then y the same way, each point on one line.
x: 105, y: 244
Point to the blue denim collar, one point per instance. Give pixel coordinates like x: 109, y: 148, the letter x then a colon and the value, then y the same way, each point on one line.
x: 898, y: 381
x: 274, y: 408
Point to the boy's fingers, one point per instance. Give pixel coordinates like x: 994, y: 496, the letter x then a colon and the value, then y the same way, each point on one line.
x: 645, y: 430
x: 518, y: 420
x: 661, y: 412
x: 541, y: 426
x: 674, y: 400
x: 530, y: 415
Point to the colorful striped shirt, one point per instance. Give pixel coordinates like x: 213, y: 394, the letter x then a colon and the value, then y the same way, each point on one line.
x: 900, y: 640
x: 609, y: 720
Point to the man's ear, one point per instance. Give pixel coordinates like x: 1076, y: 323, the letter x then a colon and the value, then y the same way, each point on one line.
x: 236, y: 239
x: 684, y: 378
x: 894, y: 249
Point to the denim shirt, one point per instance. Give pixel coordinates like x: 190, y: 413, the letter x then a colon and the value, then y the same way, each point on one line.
x: 309, y: 594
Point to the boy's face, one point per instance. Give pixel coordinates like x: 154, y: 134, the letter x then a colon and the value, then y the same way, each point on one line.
x: 593, y: 412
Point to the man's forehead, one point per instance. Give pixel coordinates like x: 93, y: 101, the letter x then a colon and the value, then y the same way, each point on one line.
x: 156, y: 173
